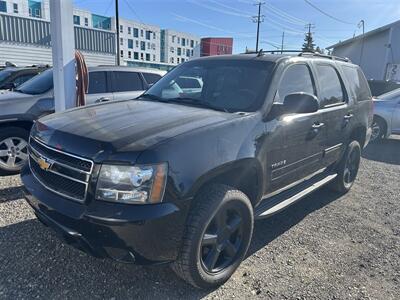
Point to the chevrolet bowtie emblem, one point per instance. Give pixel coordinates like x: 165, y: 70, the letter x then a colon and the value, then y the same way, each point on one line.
x: 44, y: 164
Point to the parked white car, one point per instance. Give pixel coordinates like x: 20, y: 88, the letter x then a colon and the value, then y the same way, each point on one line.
x: 386, y: 115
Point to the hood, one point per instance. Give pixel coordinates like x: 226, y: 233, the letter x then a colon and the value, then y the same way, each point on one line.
x: 9, y: 95
x: 110, y: 131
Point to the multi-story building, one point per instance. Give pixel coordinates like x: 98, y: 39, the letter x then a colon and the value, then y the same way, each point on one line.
x: 178, y: 47
x: 216, y: 46
x: 139, y: 43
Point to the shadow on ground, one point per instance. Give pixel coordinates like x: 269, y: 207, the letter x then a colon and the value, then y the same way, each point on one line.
x: 387, y: 151
x: 36, y: 264
x: 10, y: 194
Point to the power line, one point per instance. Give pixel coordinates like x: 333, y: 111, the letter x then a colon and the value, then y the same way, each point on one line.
x: 328, y: 15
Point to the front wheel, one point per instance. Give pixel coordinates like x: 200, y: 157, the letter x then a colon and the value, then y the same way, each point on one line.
x: 348, y: 168
x: 218, y: 234
x: 13, y: 149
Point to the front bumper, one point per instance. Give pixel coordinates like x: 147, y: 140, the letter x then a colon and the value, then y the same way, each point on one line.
x: 141, y: 234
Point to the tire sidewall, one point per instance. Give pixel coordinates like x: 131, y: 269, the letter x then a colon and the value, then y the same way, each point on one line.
x: 12, y: 132
x: 353, y: 146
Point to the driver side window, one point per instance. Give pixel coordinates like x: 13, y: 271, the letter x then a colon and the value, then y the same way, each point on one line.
x: 296, y: 79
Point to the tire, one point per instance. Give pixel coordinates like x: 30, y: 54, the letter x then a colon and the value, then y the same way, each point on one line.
x: 378, y: 130
x: 347, y: 169
x: 205, y: 237
x: 13, y: 149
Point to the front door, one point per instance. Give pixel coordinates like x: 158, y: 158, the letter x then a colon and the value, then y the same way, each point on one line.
x: 127, y: 85
x: 396, y: 118
x: 298, y: 138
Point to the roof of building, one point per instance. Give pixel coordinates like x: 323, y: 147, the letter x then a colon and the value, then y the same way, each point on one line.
x: 367, y: 34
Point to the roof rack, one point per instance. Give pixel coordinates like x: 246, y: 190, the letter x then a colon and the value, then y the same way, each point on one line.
x: 301, y: 53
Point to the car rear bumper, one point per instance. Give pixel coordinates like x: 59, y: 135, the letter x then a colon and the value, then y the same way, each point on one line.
x: 142, y: 234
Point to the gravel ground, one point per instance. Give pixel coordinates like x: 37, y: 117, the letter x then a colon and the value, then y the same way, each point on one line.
x: 326, y: 246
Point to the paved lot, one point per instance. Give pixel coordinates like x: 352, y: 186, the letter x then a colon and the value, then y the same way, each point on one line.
x: 325, y: 247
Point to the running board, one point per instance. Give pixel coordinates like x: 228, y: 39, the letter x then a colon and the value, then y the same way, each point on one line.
x: 272, y: 205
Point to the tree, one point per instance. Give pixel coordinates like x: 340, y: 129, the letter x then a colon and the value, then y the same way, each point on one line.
x: 319, y: 50
x: 308, y: 45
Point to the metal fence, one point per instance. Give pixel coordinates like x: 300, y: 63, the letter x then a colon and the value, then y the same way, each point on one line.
x: 37, y: 32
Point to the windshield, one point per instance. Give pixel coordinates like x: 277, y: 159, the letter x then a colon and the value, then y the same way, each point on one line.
x: 38, y: 84
x: 228, y: 85
x: 391, y: 95
x: 4, y: 74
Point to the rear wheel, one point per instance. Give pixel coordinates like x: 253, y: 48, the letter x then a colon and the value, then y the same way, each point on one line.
x: 378, y: 129
x: 217, y: 237
x: 348, y: 168
x: 13, y: 149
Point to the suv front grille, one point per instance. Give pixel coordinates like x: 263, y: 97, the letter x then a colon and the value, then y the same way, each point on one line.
x: 60, y: 172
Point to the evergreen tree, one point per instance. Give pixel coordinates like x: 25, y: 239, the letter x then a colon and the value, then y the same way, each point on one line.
x: 308, y: 43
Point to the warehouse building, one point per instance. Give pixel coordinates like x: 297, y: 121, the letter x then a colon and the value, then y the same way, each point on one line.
x: 216, y: 46
x: 377, y: 52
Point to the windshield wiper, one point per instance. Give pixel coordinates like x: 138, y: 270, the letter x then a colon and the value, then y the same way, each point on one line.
x: 151, y: 97
x: 196, y: 102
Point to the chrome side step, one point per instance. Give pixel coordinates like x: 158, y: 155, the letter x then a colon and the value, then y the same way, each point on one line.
x: 272, y: 205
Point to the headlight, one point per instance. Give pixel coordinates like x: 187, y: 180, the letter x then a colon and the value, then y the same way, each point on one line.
x: 132, y: 184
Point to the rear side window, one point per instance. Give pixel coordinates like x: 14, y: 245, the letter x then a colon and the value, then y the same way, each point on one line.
x: 358, y: 84
x: 296, y: 79
x: 127, y: 81
x: 331, y: 87
x: 151, y: 78
x: 97, y: 82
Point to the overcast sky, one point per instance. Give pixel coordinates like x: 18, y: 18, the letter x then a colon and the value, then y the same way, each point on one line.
x: 233, y: 18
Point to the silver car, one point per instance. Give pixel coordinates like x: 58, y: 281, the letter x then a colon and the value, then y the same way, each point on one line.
x: 34, y: 99
x: 386, y: 115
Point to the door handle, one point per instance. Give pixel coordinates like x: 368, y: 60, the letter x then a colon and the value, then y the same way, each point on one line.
x: 102, y: 99
x: 317, y: 126
x: 348, y: 116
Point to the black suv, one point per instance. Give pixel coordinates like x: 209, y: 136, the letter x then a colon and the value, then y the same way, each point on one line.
x: 180, y: 174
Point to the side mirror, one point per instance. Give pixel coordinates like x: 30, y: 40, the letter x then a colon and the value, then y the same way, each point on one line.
x: 300, y: 103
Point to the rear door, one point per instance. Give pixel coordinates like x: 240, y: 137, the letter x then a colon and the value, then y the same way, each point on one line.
x: 335, y: 109
x: 127, y: 85
x: 99, y: 87
x: 296, y: 152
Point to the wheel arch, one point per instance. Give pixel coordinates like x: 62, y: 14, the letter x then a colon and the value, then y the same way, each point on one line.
x: 244, y: 175
x: 25, y: 124
x: 359, y: 134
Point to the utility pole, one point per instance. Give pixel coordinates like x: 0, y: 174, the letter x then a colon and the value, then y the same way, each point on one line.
x: 309, y: 41
x: 362, y: 24
x: 258, y: 19
x: 283, y: 40
x: 117, y: 31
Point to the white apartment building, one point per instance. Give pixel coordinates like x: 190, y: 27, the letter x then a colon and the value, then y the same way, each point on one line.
x: 178, y: 47
x: 138, y: 42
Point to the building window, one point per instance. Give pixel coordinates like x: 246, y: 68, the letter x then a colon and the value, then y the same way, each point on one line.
x: 188, y: 52
x: 137, y: 43
x: 148, y: 46
x: 135, y: 32
x: 192, y: 43
x: 129, y: 30
x: 172, y: 49
x: 141, y: 32
x: 148, y: 35
x: 173, y: 39
x: 130, y: 44
x: 153, y: 46
x: 129, y: 54
x: 179, y: 51
x: 135, y: 55
x: 154, y: 57
x: 15, y: 8
x: 183, y: 42
x: 38, y: 13
x: 191, y: 52
x: 154, y: 35
x: 86, y: 22
x: 121, y: 41
x: 142, y: 45
x: 121, y: 28
x: 122, y: 53
x: 147, y: 57
x: 3, y: 6
x: 141, y: 56
x: 172, y: 60
x: 177, y: 60
x: 77, y: 20
x: 183, y: 60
